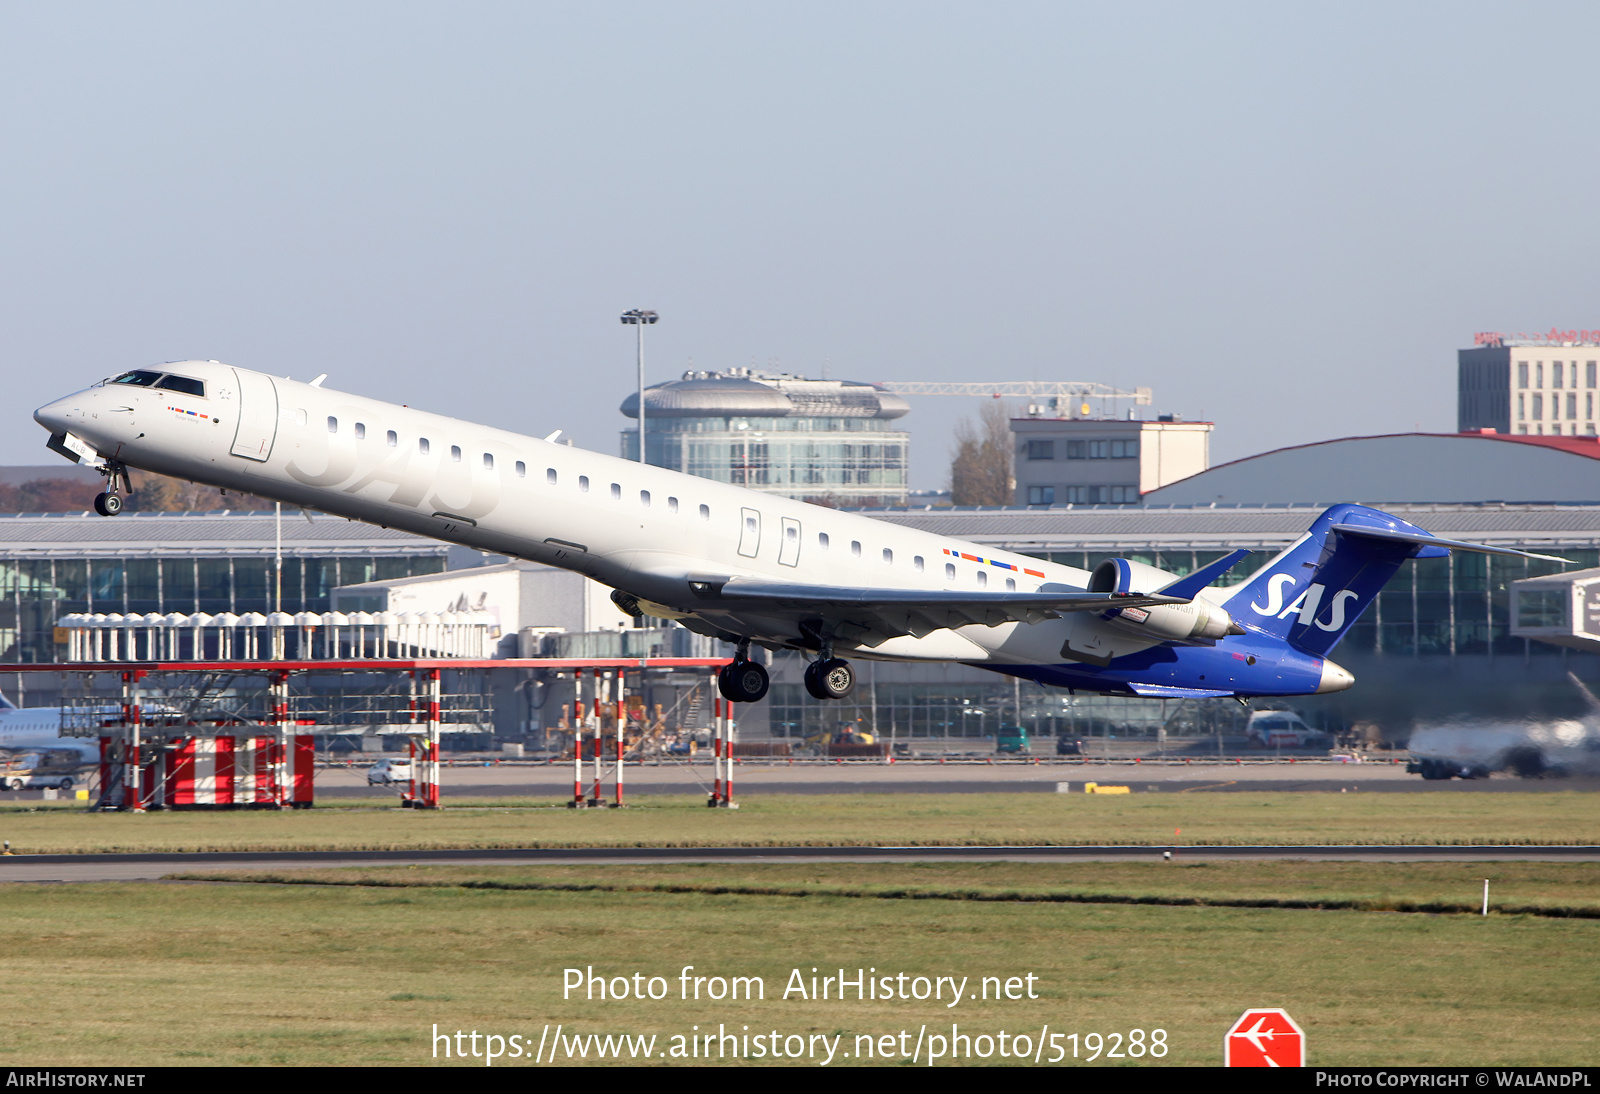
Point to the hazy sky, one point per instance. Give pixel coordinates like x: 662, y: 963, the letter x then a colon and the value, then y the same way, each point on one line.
x: 1282, y: 217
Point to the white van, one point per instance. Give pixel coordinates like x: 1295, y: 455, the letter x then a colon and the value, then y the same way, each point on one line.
x: 1280, y: 729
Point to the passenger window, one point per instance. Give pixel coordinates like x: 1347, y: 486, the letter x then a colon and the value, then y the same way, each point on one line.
x: 949, y: 571
x: 550, y: 475
x: 616, y: 491
x: 1011, y: 584
x: 183, y: 384
x: 422, y: 445
x: 705, y: 512
x: 983, y: 579
x: 888, y: 556
x: 855, y: 548
x: 644, y: 497
x: 522, y: 470
x: 583, y: 483
x: 488, y: 461
x: 672, y: 505
x: 394, y: 438
x: 333, y: 425
x: 361, y: 431
x: 916, y: 563
x: 822, y: 540
x: 455, y: 453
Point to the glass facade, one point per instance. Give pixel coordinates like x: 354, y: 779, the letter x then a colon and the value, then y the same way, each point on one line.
x: 34, y: 593
x: 1436, y: 606
x: 1434, y: 614
x: 969, y: 715
x: 848, y: 461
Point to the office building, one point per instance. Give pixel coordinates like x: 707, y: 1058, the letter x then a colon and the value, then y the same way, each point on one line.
x: 1538, y: 386
x: 1103, y: 461
x: 827, y: 441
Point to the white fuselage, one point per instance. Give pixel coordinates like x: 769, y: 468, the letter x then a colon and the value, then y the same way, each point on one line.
x: 26, y: 728
x: 645, y: 530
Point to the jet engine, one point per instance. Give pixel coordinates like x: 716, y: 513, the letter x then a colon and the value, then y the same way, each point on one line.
x: 1198, y: 621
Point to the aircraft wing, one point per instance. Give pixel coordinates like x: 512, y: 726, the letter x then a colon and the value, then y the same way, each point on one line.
x: 878, y: 614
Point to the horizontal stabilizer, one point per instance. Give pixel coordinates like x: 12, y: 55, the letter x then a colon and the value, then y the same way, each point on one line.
x: 1190, y: 584
x: 1425, y: 540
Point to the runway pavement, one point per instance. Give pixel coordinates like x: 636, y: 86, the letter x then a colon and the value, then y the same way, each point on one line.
x: 489, y: 779
x: 149, y: 867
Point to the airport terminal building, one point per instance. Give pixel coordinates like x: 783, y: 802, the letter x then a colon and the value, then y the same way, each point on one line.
x: 1444, y: 635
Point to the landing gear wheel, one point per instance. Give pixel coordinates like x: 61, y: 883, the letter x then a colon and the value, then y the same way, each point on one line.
x: 743, y: 682
x: 108, y: 504
x: 831, y: 678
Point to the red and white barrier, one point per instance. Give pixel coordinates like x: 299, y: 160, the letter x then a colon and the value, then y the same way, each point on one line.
x: 231, y: 771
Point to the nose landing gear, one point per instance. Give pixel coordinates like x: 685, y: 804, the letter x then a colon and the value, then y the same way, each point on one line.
x: 109, y: 503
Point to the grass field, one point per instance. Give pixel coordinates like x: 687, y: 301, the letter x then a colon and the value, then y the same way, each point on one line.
x: 352, y: 974
x: 1521, y: 888
x: 842, y: 820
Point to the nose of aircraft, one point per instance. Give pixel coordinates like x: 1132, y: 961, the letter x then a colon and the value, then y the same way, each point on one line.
x: 1334, y: 678
x: 53, y: 416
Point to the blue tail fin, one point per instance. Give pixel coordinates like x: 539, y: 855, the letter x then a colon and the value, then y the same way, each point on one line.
x: 1313, y: 592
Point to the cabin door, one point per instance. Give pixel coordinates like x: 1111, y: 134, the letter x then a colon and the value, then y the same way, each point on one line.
x: 258, y: 416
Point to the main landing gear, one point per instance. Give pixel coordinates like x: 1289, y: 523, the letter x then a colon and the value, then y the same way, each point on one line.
x: 830, y: 678
x: 744, y: 681
x: 109, y: 503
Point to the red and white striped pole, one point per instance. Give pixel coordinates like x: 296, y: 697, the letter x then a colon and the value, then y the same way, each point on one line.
x: 716, y: 750
x: 430, y: 770
x: 131, y: 797
x: 577, y: 739
x: 727, y: 777
x: 622, y: 723
x: 602, y: 684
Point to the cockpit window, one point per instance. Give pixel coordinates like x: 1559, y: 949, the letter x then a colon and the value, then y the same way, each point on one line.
x: 139, y: 377
x: 183, y: 384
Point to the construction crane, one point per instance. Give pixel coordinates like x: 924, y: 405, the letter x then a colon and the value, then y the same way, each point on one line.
x: 1069, y: 396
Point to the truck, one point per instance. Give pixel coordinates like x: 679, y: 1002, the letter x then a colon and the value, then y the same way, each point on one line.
x: 41, y: 769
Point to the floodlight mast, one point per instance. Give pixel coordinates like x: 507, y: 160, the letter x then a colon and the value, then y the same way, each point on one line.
x: 639, y: 319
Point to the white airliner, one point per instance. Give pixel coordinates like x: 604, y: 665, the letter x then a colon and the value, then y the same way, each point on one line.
x: 743, y: 566
x: 26, y: 728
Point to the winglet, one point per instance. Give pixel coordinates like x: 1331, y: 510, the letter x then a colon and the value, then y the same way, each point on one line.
x: 1594, y: 704
x: 1190, y: 584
